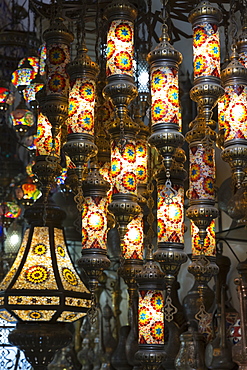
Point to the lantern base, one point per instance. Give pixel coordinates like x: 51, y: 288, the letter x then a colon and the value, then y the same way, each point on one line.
x: 93, y: 261
x: 40, y: 341
x: 150, y: 355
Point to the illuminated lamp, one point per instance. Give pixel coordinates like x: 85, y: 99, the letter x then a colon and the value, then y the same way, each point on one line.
x: 23, y: 75
x: 6, y: 97
x: 164, y: 62
x: 94, y: 227
x: 234, y: 78
x: 80, y: 140
x: 9, y: 211
x: 27, y: 193
x: 43, y: 141
x: 42, y: 290
x: 151, y: 330
x: 22, y: 118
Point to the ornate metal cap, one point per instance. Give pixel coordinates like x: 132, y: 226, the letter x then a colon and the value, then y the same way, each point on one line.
x: 242, y: 38
x: 58, y: 32
x: 205, y: 12
x: 164, y: 51
x: 235, y: 72
x: 82, y: 65
x: 95, y: 185
x: 121, y: 9
x: 151, y: 276
x: 130, y: 128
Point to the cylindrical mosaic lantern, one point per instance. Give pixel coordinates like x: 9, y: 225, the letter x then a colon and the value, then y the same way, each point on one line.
x: 205, y: 19
x: 234, y: 115
x: 151, y: 337
x: 164, y: 62
x: 94, y: 227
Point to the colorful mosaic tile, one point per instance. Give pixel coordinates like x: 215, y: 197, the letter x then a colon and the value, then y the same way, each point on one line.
x: 209, y: 247
x: 35, y: 315
x: 206, y: 50
x: 151, y: 317
x: 81, y: 106
x: 94, y: 223
x: 165, y: 95
x: 123, y: 167
x: 170, y: 216
x: 202, y: 172
x: 120, y: 49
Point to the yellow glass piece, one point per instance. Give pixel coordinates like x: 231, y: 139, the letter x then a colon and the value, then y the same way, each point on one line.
x: 77, y: 302
x: 9, y: 277
x: 132, y: 247
x: 37, y: 272
x: 35, y: 315
x: 1, y: 301
x: 5, y: 315
x: 34, y: 300
x: 69, y: 277
x: 68, y: 316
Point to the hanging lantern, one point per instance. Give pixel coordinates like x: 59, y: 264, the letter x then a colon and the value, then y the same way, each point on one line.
x: 9, y: 212
x: 6, y: 97
x: 164, y: 61
x: 22, y: 119
x: 53, y: 98
x: 120, y: 86
x: 43, y: 288
x: 150, y: 315
x: 94, y: 227
x: 205, y: 19
x: 234, y: 78
x: 29, y: 93
x: 27, y: 193
x: 23, y: 75
x: 80, y: 141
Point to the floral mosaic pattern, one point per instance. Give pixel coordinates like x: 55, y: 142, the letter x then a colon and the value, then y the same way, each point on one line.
x: 68, y: 316
x: 81, y: 106
x: 209, y: 247
x: 142, y: 161
x: 120, y: 49
x: 57, y: 58
x: 94, y: 223
x: 68, y: 275
x: 132, y: 246
x: 165, y: 95
x: 123, y: 167
x: 202, y: 172
x: 37, y: 271
x: 43, y: 139
x: 170, y: 216
x: 233, y: 112
x: 151, y: 317
x: 22, y: 77
x: 206, y: 50
x: 35, y: 315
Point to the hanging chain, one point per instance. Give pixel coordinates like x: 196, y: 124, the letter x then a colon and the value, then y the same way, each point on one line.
x: 233, y: 22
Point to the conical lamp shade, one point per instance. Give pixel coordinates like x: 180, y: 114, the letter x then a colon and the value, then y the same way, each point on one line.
x: 42, y: 284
